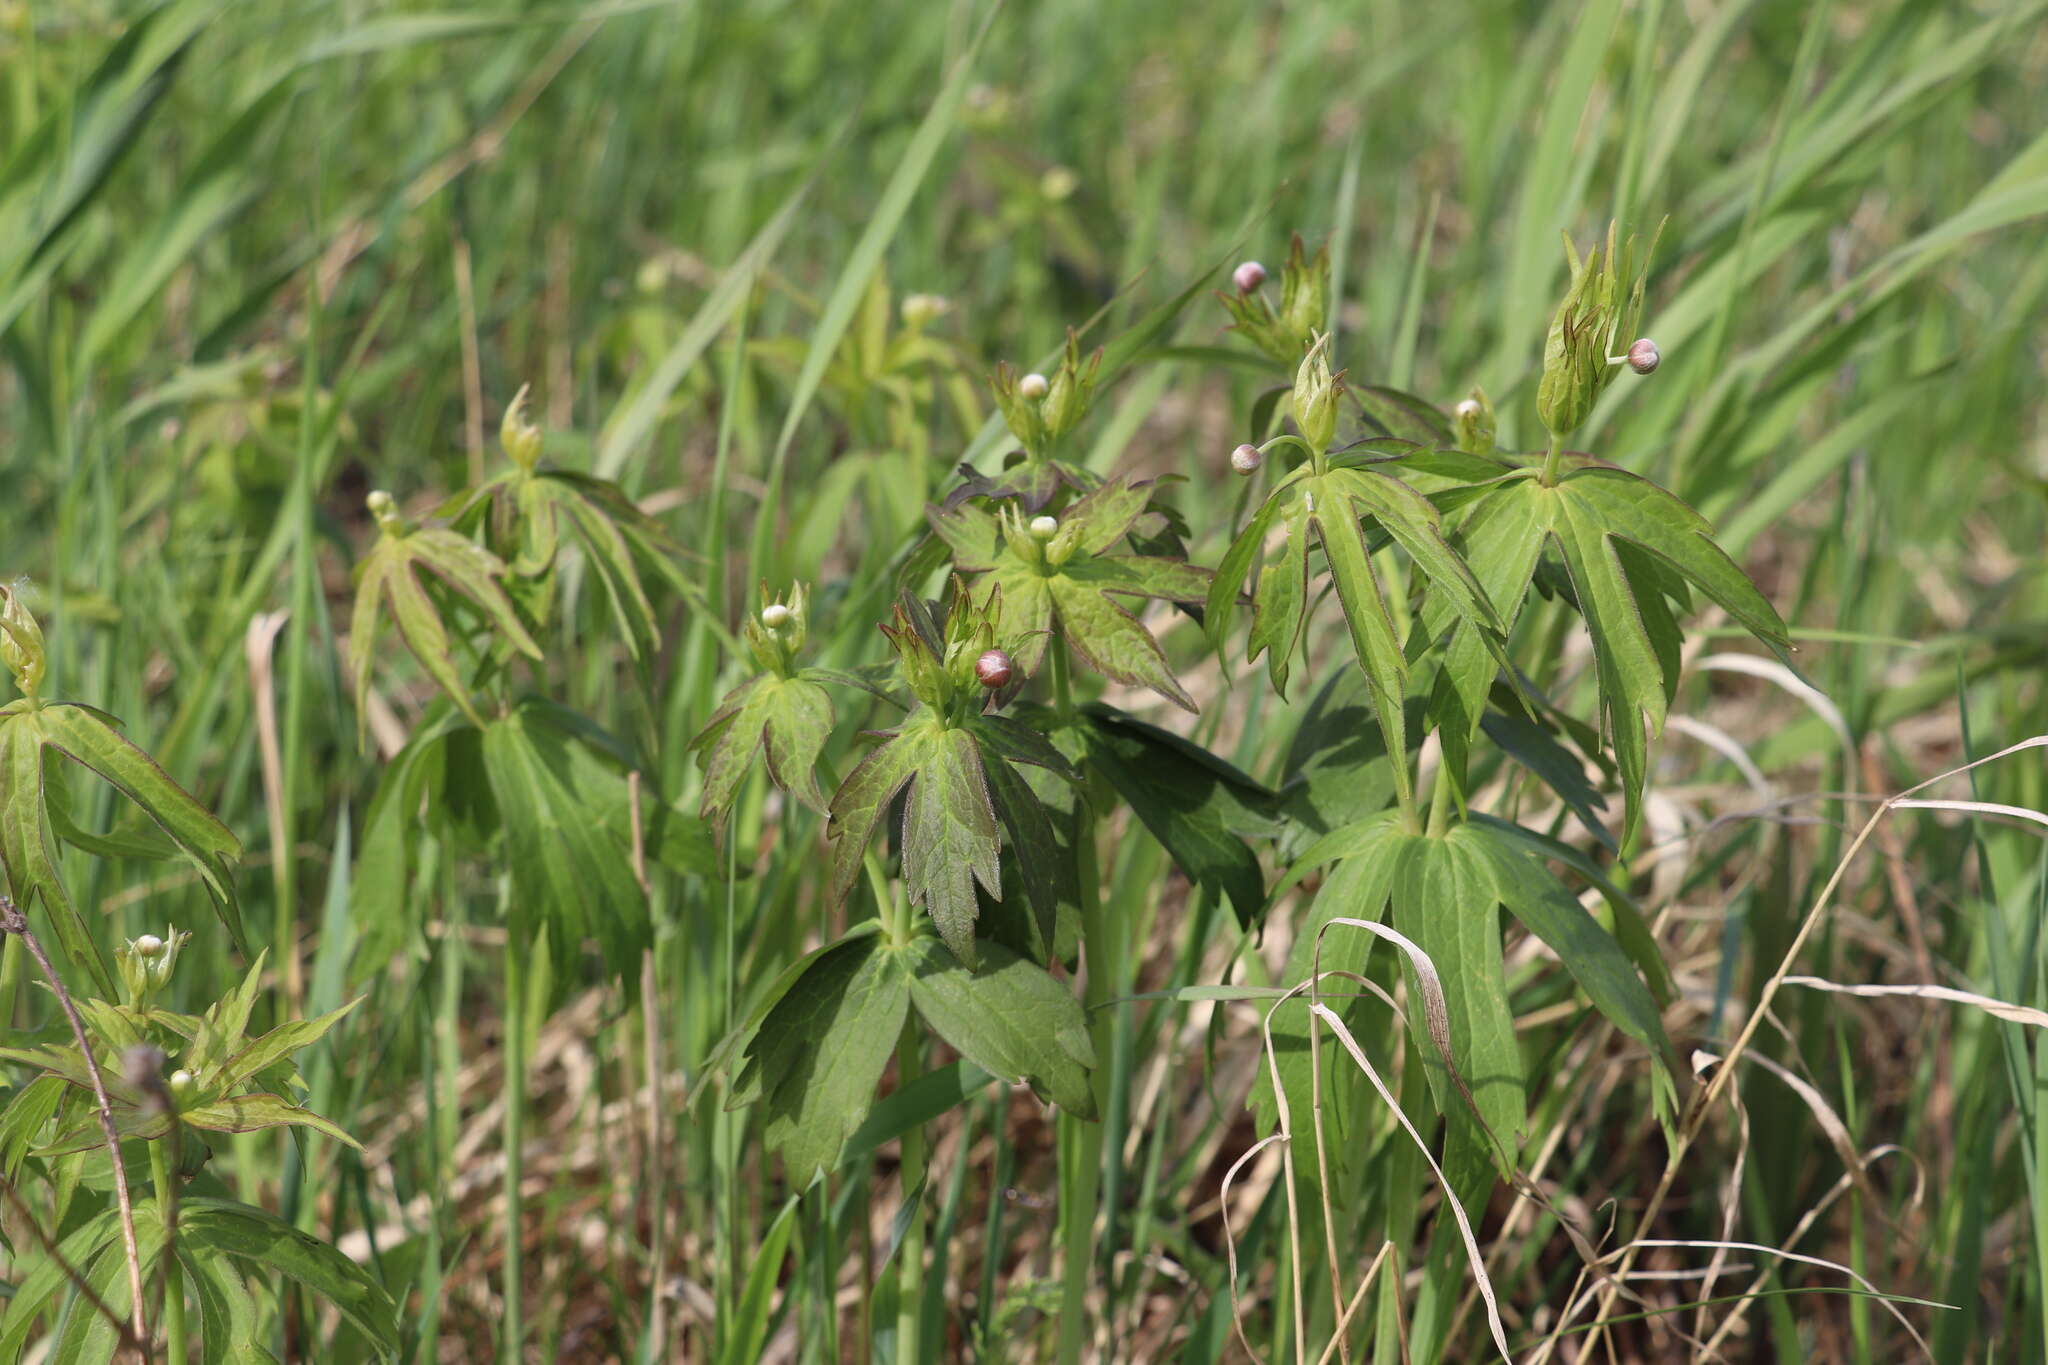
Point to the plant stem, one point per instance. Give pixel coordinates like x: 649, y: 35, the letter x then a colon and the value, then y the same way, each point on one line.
x: 514, y: 1090
x: 14, y: 923
x: 1080, y: 1141
x: 165, y: 1181
x: 1553, y: 461
x: 910, y: 1256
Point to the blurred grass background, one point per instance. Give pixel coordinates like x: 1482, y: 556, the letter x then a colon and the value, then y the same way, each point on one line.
x: 257, y: 259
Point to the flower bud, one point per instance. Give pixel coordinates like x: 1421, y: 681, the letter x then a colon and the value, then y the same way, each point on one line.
x: 921, y: 310
x: 1603, y: 303
x: 1057, y: 183
x: 1472, y: 422
x: 1316, y: 392
x: 1246, y: 459
x: 776, y: 634
x: 520, y: 437
x: 146, y: 963
x: 384, y: 508
x: 1248, y: 277
x: 775, y: 616
x: 183, y: 1082
x: 1044, y: 528
x: 21, y: 641
x: 1643, y: 356
x: 993, y: 669
x: 1033, y: 385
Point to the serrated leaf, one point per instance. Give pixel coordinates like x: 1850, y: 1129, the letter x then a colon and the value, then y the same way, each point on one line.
x: 1113, y: 642
x: 1446, y: 899
x: 1196, y: 805
x: 789, y: 719
x: 1036, y: 848
x: 278, y: 1248
x: 949, y: 837
x: 1219, y: 608
x: 1011, y: 1019
x: 1501, y: 540
x: 250, y: 1113
x: 821, y: 1050
x: 863, y: 799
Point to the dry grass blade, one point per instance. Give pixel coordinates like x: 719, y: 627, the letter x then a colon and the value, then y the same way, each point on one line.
x: 2018, y: 1014
x: 1230, y: 1241
x: 1478, y: 1260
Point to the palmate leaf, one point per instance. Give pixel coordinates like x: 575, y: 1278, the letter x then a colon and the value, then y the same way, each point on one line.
x: 29, y: 734
x: 391, y: 576
x: 788, y: 718
x: 1067, y: 584
x: 570, y: 871
x: 274, y: 1247
x: 1629, y: 548
x: 957, y: 805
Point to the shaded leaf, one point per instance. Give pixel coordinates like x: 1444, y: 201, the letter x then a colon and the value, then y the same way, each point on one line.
x: 1011, y: 1019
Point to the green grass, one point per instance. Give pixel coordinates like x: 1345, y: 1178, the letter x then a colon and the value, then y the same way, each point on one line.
x: 232, y: 255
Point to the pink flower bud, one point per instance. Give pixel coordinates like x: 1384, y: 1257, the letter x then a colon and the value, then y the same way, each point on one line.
x: 1643, y: 356
x: 1033, y: 385
x: 1248, y: 277
x: 1246, y: 459
x: 992, y: 670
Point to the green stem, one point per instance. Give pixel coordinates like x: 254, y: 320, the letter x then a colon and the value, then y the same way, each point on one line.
x: 1080, y: 1141
x: 910, y: 1256
x: 514, y: 1089
x: 1553, y: 461
x: 1440, y: 801
x: 162, y: 1177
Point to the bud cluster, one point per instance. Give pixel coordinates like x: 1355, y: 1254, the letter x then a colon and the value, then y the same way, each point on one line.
x: 1304, y: 309
x: 1040, y: 409
x: 777, y: 634
x: 21, y: 641
x: 146, y: 963
x: 952, y: 666
x: 1603, y: 304
x: 1317, y: 393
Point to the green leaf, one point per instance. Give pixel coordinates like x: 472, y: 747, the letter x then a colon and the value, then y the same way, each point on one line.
x: 1588, y: 951
x: 390, y: 575
x: 29, y: 849
x: 1373, y: 637
x: 569, y: 872
x: 1402, y: 414
x: 1219, y: 608
x: 1281, y: 598
x: 249, y: 1113
x: 1357, y: 888
x: 863, y: 800
x: 949, y: 837
x: 743, y: 1338
x: 45, y: 1281
x: 789, y: 718
x: 1501, y: 540
x: 1112, y: 641
x: 278, y: 1248
x: 1037, y: 849
x: 1336, y: 770
x: 821, y: 1051
x: 1446, y: 900
x: 1195, y: 804
x: 85, y: 736
x: 1011, y: 1019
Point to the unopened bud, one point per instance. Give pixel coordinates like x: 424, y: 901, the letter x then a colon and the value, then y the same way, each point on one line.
x: 992, y: 669
x: 1057, y: 183
x: 1246, y: 459
x: 149, y: 945
x: 1248, y: 277
x: 1643, y: 356
x: 182, y: 1081
x: 520, y: 437
x: 1033, y: 385
x: 21, y: 641
x: 775, y: 616
x: 1044, y: 528
x: 920, y: 310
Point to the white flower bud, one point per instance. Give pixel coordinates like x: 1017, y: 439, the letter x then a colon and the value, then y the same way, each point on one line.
x: 1248, y: 276
x: 1033, y: 385
x: 1468, y: 409
x: 149, y: 945
x: 920, y: 310
x: 775, y: 616
x: 1044, y: 528
x: 1246, y: 459
x: 182, y: 1081
x: 1643, y: 356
